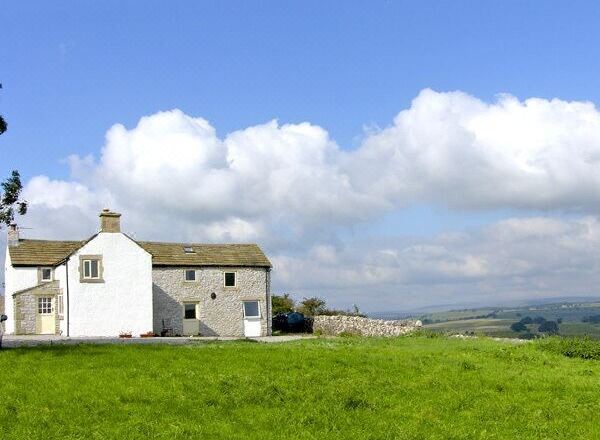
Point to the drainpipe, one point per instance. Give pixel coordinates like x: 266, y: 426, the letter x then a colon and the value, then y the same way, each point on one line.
x: 269, y: 305
x: 68, y: 311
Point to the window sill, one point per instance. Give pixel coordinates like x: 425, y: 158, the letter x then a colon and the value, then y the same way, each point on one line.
x: 91, y: 280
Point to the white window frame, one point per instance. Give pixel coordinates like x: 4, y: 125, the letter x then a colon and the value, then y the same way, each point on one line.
x: 44, y: 305
x: 60, y: 308
x: 258, y: 307
x: 234, y: 279
x: 185, y: 272
x: 196, y: 313
x: 90, y: 277
x: 42, y: 269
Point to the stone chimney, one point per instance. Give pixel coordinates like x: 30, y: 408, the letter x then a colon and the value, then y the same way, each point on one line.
x: 13, y: 235
x: 110, y: 221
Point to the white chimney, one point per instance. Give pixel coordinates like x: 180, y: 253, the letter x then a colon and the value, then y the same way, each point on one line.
x: 13, y: 235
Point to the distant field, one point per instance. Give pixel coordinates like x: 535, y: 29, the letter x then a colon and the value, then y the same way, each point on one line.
x: 501, y: 328
x: 498, y: 324
x: 359, y: 388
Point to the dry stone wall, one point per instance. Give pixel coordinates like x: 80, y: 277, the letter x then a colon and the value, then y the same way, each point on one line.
x: 336, y: 324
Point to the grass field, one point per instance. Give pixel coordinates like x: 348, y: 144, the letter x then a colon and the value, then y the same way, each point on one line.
x: 360, y: 388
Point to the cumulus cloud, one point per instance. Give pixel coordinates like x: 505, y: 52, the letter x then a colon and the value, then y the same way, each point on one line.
x: 291, y: 188
x: 509, y: 260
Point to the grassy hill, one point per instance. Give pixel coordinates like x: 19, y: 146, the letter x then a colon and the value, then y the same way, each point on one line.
x: 497, y: 321
x: 402, y: 388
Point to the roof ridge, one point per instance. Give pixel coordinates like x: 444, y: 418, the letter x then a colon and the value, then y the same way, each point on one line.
x: 188, y: 243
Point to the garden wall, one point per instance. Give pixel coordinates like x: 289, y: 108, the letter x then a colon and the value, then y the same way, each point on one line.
x: 336, y: 324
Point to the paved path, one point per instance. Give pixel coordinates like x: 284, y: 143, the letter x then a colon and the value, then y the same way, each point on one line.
x: 32, y: 341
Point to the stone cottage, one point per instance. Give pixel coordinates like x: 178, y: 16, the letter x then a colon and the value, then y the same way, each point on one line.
x: 111, y: 284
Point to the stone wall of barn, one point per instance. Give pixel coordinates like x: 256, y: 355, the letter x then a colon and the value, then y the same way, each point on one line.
x: 336, y: 324
x: 219, y: 316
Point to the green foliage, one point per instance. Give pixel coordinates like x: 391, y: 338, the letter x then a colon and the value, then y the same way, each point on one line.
x: 592, y: 319
x: 518, y: 327
x: 548, y: 327
x: 584, y: 348
x: 312, y: 306
x: 3, y: 125
x: 9, y: 199
x: 282, y: 304
x: 331, y: 388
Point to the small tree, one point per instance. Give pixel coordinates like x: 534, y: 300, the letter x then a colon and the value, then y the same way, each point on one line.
x: 527, y: 320
x: 10, y: 204
x: 282, y: 304
x: 3, y: 124
x: 312, y: 306
x: 548, y: 327
x: 518, y: 327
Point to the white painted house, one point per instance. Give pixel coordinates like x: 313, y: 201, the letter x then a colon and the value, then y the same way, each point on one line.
x: 111, y: 284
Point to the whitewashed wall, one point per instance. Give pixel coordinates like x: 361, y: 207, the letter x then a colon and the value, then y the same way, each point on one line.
x: 19, y: 278
x: 123, y: 302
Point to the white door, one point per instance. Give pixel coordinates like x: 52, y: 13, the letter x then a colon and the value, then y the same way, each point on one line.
x: 191, y: 323
x: 252, y: 327
x: 45, y: 322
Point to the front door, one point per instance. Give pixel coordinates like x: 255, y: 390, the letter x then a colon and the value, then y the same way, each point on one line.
x: 45, y: 320
x: 252, y: 327
x: 191, y: 323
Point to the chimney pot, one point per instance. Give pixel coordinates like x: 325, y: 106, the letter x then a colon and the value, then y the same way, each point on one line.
x: 110, y: 221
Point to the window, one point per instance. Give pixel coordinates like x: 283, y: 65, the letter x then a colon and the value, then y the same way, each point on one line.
x: 251, y: 309
x: 188, y: 250
x: 189, y: 311
x: 46, y: 274
x: 229, y: 279
x: 59, y: 305
x: 190, y: 275
x: 91, y: 269
x: 44, y: 305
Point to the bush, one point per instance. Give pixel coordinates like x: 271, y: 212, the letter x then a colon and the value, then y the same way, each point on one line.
x: 538, y: 320
x: 593, y: 319
x: 583, y: 348
x: 282, y: 304
x: 527, y: 320
x: 518, y: 327
x: 548, y: 327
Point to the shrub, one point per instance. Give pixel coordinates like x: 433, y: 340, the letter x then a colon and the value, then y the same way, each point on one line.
x: 518, y: 327
x: 548, y: 327
x: 527, y: 320
x: 584, y: 348
x: 593, y: 319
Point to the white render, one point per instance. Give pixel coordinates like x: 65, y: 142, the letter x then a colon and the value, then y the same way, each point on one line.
x: 132, y: 295
x: 123, y: 301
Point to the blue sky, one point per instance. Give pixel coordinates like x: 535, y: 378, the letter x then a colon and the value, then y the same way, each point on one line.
x: 71, y: 70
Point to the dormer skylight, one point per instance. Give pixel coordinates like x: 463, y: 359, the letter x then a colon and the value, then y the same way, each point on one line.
x: 189, y: 250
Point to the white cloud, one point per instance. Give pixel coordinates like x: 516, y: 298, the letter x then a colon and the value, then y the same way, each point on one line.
x: 291, y: 188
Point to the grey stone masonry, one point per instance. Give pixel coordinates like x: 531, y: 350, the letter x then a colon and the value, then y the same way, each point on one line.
x: 336, y: 324
x: 219, y: 316
x: 26, y: 308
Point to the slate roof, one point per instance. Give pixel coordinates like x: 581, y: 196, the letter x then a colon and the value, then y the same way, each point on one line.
x: 42, y: 252
x: 51, y: 253
x: 173, y: 254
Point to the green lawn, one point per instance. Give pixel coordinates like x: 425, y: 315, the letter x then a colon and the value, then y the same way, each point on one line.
x: 359, y: 388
